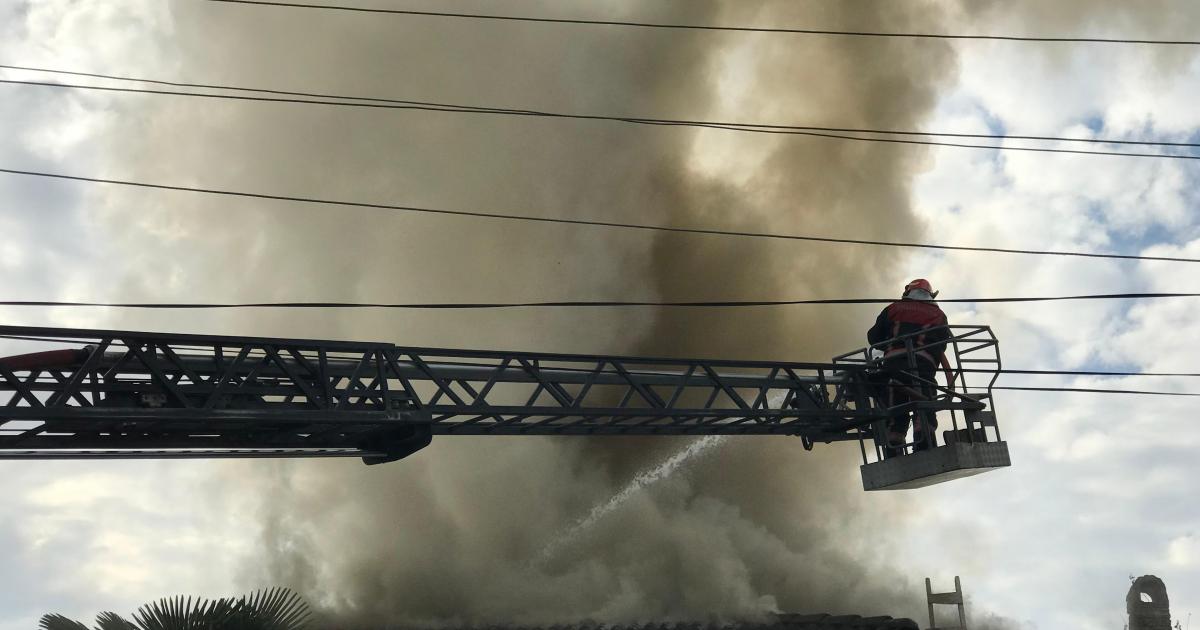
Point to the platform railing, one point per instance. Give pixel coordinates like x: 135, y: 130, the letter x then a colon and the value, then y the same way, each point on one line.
x: 973, y: 353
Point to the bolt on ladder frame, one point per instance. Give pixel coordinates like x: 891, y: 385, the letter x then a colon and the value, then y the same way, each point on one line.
x: 973, y: 444
x: 954, y: 598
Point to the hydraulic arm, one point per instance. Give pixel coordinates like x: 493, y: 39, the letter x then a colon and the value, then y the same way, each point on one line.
x: 98, y: 393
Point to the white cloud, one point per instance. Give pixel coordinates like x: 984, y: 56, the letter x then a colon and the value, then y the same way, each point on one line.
x: 1184, y: 551
x: 1100, y: 485
x: 85, y: 536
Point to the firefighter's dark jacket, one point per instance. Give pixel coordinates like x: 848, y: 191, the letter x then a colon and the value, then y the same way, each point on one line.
x: 911, y: 316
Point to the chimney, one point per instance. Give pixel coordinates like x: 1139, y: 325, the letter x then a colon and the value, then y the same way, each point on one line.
x: 1147, y: 604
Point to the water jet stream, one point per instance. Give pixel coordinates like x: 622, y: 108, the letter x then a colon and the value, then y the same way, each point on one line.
x: 639, y: 482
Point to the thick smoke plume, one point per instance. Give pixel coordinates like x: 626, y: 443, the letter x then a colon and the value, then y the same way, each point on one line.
x: 447, y: 535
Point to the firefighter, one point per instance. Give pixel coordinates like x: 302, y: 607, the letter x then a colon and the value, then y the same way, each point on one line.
x: 910, y: 375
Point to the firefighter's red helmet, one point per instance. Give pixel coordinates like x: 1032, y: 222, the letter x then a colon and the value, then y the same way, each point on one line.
x: 920, y: 283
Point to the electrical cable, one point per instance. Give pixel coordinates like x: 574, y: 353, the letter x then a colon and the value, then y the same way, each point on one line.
x: 702, y: 27
x: 1089, y: 390
x: 579, y: 303
x: 1076, y: 372
x: 724, y: 126
x: 367, y: 101
x: 1085, y: 390
x: 588, y: 370
x: 588, y: 222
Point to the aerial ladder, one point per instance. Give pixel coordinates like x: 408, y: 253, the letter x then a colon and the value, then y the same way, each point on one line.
x: 79, y: 393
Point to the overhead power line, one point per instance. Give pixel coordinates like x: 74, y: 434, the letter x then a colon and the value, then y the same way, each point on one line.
x: 586, y: 222
x: 1080, y: 372
x: 56, y: 340
x: 834, y: 133
x: 706, y: 27
x: 591, y: 222
x: 582, y: 303
x: 1090, y: 390
x: 1086, y: 390
x: 481, y: 109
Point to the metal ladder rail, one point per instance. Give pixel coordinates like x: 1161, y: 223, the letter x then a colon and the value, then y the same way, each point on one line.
x: 150, y: 391
x: 953, y: 598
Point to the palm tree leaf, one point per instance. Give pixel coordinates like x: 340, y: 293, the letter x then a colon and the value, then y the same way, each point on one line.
x: 267, y: 609
x: 274, y: 609
x: 113, y: 621
x: 59, y: 622
x: 177, y: 613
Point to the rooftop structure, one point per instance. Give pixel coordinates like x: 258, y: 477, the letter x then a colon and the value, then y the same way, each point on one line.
x: 1147, y: 604
x: 779, y: 622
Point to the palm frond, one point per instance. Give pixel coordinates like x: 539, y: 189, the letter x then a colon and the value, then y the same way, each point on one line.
x: 59, y: 622
x: 267, y: 609
x: 178, y: 613
x: 113, y: 621
x: 273, y: 609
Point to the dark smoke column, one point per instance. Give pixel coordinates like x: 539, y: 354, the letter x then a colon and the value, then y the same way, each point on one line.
x: 1147, y: 604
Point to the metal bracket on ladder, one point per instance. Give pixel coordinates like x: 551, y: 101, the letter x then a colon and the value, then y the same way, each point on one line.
x: 954, y: 598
